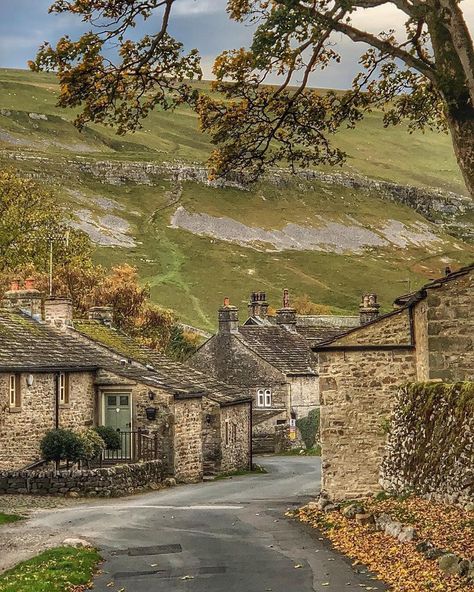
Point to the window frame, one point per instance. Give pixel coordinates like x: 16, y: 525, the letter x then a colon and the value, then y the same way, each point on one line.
x: 268, y: 397
x: 261, y: 398
x: 14, y: 391
x: 227, y: 432
x: 63, y: 387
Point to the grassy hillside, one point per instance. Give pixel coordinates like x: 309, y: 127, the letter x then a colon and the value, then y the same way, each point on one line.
x: 344, y: 241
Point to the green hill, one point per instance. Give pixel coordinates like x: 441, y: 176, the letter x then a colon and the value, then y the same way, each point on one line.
x: 195, y: 243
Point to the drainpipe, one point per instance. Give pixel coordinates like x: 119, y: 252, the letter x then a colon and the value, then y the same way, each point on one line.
x: 251, y: 433
x: 56, y: 400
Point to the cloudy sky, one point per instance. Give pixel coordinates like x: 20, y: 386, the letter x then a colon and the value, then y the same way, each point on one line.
x: 25, y: 24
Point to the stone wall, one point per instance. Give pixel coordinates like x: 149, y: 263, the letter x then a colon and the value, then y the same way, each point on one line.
x: 304, y: 394
x: 22, y: 429
x: 235, y: 453
x: 430, y: 448
x: 211, y: 437
x: 228, y: 360
x: 394, y: 329
x: 358, y: 390
x: 103, y: 482
x: 451, y: 329
x: 188, y: 462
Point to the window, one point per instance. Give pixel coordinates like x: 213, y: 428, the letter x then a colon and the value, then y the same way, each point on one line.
x: 63, y: 388
x: 227, y: 432
x: 264, y: 398
x: 14, y: 390
x: 268, y: 398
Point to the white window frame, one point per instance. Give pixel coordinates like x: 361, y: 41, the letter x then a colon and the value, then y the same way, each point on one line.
x: 63, y: 388
x: 268, y: 397
x: 12, y: 390
x: 264, y: 398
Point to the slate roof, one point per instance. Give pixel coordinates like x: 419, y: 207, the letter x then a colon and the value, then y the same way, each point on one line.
x: 288, y: 352
x: 176, y: 374
x: 29, y: 345
x: 315, y: 335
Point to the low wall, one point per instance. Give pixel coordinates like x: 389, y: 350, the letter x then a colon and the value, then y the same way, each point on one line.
x: 430, y: 448
x: 103, y: 482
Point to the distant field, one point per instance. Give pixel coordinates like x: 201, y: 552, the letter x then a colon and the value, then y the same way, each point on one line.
x: 192, y: 270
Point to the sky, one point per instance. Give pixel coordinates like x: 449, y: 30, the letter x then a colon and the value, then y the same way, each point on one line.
x: 201, y: 24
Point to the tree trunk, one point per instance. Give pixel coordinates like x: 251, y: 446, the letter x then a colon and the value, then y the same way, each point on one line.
x: 462, y: 133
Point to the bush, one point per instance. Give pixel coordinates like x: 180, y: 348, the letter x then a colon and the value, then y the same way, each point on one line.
x: 309, y: 428
x: 110, y: 437
x: 60, y: 445
x: 92, y: 443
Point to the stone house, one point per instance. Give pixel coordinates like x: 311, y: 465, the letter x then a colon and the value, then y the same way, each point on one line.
x: 54, y: 373
x: 430, y: 336
x: 270, y: 359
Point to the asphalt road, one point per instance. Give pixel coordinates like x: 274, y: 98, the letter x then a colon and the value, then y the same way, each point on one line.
x: 223, y: 536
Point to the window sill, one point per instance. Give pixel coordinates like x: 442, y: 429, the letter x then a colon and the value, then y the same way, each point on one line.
x: 64, y: 406
x: 15, y: 409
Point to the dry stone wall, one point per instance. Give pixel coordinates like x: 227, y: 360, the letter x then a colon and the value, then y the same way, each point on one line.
x: 430, y: 448
x: 103, y: 482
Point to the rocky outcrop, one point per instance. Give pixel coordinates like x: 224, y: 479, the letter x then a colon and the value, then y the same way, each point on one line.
x: 434, y: 204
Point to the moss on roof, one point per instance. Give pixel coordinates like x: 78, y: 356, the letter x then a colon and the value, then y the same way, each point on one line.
x: 113, y: 339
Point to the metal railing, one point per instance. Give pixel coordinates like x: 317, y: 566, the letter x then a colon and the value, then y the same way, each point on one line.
x: 135, y: 445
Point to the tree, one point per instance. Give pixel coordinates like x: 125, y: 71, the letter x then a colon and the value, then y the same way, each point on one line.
x: 427, y: 77
x: 29, y: 215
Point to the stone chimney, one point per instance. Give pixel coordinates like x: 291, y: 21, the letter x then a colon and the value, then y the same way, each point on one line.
x: 26, y: 299
x: 368, y: 308
x: 258, y: 305
x: 58, y: 312
x: 228, y: 318
x: 103, y: 314
x: 286, y: 316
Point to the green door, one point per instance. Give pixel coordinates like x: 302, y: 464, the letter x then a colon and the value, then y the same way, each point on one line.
x: 118, y: 415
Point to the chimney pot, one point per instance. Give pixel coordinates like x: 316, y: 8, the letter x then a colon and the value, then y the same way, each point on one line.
x: 15, y: 285
x: 29, y: 284
x: 226, y: 301
x: 286, y: 316
x: 258, y: 305
x: 369, y: 308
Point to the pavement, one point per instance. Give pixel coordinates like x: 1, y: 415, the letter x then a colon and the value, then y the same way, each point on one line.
x: 223, y: 536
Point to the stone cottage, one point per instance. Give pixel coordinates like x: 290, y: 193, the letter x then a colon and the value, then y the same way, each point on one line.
x: 54, y: 374
x: 270, y: 358
x: 430, y: 336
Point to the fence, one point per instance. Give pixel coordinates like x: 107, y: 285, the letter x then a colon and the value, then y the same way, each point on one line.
x: 137, y: 445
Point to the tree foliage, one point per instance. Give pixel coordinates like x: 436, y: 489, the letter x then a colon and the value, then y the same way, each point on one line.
x: 425, y: 76
x: 31, y: 216
x: 309, y: 428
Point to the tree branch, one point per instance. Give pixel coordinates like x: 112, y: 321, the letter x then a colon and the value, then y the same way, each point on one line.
x: 384, y: 46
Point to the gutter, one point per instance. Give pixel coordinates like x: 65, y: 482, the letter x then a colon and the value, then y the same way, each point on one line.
x: 368, y: 347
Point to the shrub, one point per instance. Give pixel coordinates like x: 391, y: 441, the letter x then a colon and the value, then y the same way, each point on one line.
x: 92, y: 444
x: 60, y: 445
x: 110, y: 437
x: 309, y: 428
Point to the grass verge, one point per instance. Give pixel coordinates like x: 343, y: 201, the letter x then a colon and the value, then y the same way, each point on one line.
x: 8, y: 518
x: 315, y: 451
x: 64, y: 569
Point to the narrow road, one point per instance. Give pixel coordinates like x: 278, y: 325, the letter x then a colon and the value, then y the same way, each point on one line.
x: 223, y: 536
